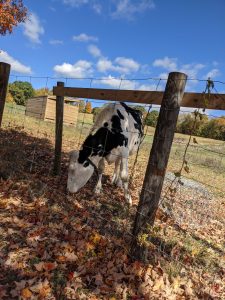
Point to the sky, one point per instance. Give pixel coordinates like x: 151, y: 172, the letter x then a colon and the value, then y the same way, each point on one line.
x: 119, y: 39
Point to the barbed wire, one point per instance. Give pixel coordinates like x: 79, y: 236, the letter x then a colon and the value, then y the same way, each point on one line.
x: 125, y: 228
x: 108, y: 79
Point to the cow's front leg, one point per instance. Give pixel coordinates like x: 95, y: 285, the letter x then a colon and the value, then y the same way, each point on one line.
x: 101, y: 168
x: 116, y: 176
x: 124, y: 177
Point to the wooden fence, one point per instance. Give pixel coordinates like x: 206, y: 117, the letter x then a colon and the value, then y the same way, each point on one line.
x: 170, y: 100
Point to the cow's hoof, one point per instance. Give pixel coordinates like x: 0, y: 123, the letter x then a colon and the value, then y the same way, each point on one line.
x: 119, y: 183
x: 128, y: 199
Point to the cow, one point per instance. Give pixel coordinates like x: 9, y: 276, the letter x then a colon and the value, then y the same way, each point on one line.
x: 115, y: 135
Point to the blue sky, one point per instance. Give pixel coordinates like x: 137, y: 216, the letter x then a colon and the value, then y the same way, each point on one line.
x: 115, y: 39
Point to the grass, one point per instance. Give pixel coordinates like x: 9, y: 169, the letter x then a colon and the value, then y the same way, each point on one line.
x: 206, y: 165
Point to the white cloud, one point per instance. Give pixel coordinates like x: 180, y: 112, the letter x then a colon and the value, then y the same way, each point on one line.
x: 104, y: 65
x: 15, y: 64
x: 167, y: 63
x: 192, y: 70
x: 121, y: 9
x: 150, y: 87
x: 75, y: 3
x: 128, y: 64
x: 80, y: 69
x: 163, y: 76
x: 56, y: 42
x: 127, y: 84
x: 93, y: 4
x: 212, y: 74
x: 128, y: 8
x: 94, y: 51
x: 117, y: 83
x: 33, y: 29
x: 83, y: 37
x: 121, y: 65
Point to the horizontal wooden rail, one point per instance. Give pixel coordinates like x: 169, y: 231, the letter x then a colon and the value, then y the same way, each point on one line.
x: 195, y: 100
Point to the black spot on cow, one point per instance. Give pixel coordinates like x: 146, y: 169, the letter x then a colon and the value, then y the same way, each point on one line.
x: 86, y: 164
x: 116, y: 124
x: 120, y: 115
x: 106, y: 124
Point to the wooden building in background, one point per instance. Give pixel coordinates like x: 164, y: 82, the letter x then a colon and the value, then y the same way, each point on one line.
x: 44, y: 108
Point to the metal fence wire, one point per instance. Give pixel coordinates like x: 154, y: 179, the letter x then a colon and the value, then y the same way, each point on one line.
x: 88, y: 237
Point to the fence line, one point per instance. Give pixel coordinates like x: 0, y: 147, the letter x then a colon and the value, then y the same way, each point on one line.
x: 125, y: 227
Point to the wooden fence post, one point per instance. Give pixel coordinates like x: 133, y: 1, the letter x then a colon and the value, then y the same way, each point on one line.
x: 159, y: 156
x: 4, y: 78
x: 58, y: 131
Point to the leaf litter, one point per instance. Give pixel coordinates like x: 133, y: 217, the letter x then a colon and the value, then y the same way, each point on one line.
x: 57, y: 246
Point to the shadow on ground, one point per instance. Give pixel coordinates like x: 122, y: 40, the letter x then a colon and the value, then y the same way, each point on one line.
x: 57, y: 246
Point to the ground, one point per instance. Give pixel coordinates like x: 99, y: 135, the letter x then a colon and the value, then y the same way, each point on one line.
x: 59, y: 246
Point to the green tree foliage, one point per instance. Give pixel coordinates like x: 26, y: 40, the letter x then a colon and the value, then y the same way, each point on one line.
x: 88, y: 108
x: 21, y: 91
x: 151, y: 118
x: 202, y: 126
x: 214, y: 129
x: 141, y: 108
x: 188, y: 125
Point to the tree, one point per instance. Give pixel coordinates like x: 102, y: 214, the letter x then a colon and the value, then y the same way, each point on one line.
x: 12, y: 12
x: 88, y: 108
x: 151, y: 118
x: 187, y: 124
x: 81, y: 106
x: 9, y: 97
x: 21, y: 91
x: 141, y: 108
x: 214, y: 129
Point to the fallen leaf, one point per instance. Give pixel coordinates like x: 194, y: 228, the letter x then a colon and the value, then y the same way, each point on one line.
x: 98, y: 279
x: 26, y: 293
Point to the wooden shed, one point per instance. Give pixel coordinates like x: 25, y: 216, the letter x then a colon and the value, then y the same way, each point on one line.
x: 44, y: 107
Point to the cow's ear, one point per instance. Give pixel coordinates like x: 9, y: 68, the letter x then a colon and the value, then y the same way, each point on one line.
x: 73, y: 155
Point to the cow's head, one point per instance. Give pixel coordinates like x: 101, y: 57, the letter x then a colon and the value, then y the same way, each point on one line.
x: 78, y: 173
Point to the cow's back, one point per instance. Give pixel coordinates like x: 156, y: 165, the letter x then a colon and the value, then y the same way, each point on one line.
x: 117, y: 128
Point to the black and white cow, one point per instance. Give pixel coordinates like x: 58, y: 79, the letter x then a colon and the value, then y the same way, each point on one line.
x: 115, y: 136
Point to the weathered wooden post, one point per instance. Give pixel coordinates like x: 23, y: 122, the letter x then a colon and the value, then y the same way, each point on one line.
x: 4, y: 78
x: 58, y: 131
x: 159, y: 156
